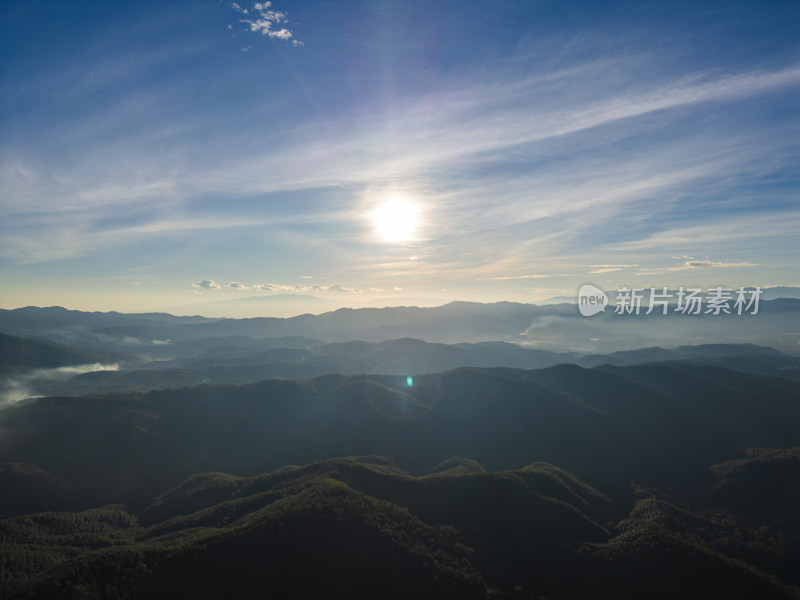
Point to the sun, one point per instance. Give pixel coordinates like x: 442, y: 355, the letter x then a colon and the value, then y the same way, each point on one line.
x: 396, y: 219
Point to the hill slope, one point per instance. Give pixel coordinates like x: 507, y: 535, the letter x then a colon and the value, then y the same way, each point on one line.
x: 367, y: 529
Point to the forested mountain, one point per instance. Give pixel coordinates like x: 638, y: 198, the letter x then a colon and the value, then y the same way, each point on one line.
x: 229, y: 463
x: 18, y: 353
x: 366, y: 528
x: 240, y: 359
x: 568, y: 478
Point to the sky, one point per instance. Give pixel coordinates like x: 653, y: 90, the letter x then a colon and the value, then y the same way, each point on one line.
x: 211, y: 157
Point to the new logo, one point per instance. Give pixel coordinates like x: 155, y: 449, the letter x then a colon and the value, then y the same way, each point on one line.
x: 591, y: 300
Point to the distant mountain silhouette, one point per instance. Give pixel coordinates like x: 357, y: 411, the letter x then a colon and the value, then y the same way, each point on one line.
x: 558, y: 327
x: 767, y: 293
x: 358, y: 451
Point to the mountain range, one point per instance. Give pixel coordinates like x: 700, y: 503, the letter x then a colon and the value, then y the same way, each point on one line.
x: 501, y: 481
x: 556, y: 327
x: 211, y: 460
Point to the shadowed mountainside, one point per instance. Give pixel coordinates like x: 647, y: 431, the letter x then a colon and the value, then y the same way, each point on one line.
x: 481, y: 482
x: 608, y: 424
x: 19, y: 353
x: 365, y: 528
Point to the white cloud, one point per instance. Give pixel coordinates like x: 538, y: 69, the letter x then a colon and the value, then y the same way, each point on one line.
x: 397, y: 289
x: 613, y: 266
x: 609, y: 268
x: 278, y: 287
x: 704, y: 264
x: 519, y: 277
x: 335, y: 288
x: 267, y: 22
x: 376, y: 289
x: 690, y: 262
x: 299, y: 288
x: 207, y: 284
x: 281, y: 34
x: 237, y: 285
x: 699, y: 263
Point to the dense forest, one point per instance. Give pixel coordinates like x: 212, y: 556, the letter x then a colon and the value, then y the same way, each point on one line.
x: 667, y: 479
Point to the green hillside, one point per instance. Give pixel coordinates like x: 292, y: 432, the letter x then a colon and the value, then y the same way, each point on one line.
x: 365, y: 528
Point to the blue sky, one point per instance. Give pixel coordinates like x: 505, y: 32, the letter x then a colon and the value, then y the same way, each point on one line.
x: 168, y: 155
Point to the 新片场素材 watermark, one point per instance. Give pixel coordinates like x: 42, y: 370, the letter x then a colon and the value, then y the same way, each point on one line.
x: 686, y: 301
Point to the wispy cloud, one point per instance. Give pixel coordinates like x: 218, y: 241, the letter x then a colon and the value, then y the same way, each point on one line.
x: 721, y: 233
x: 597, y: 269
x: 300, y: 288
x: 613, y: 266
x: 337, y: 289
x: 238, y: 286
x: 706, y: 264
x: 539, y: 174
x: 689, y: 263
x: 20, y: 387
x: 519, y: 277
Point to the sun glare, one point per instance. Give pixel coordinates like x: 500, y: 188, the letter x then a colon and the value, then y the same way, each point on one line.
x: 396, y: 220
